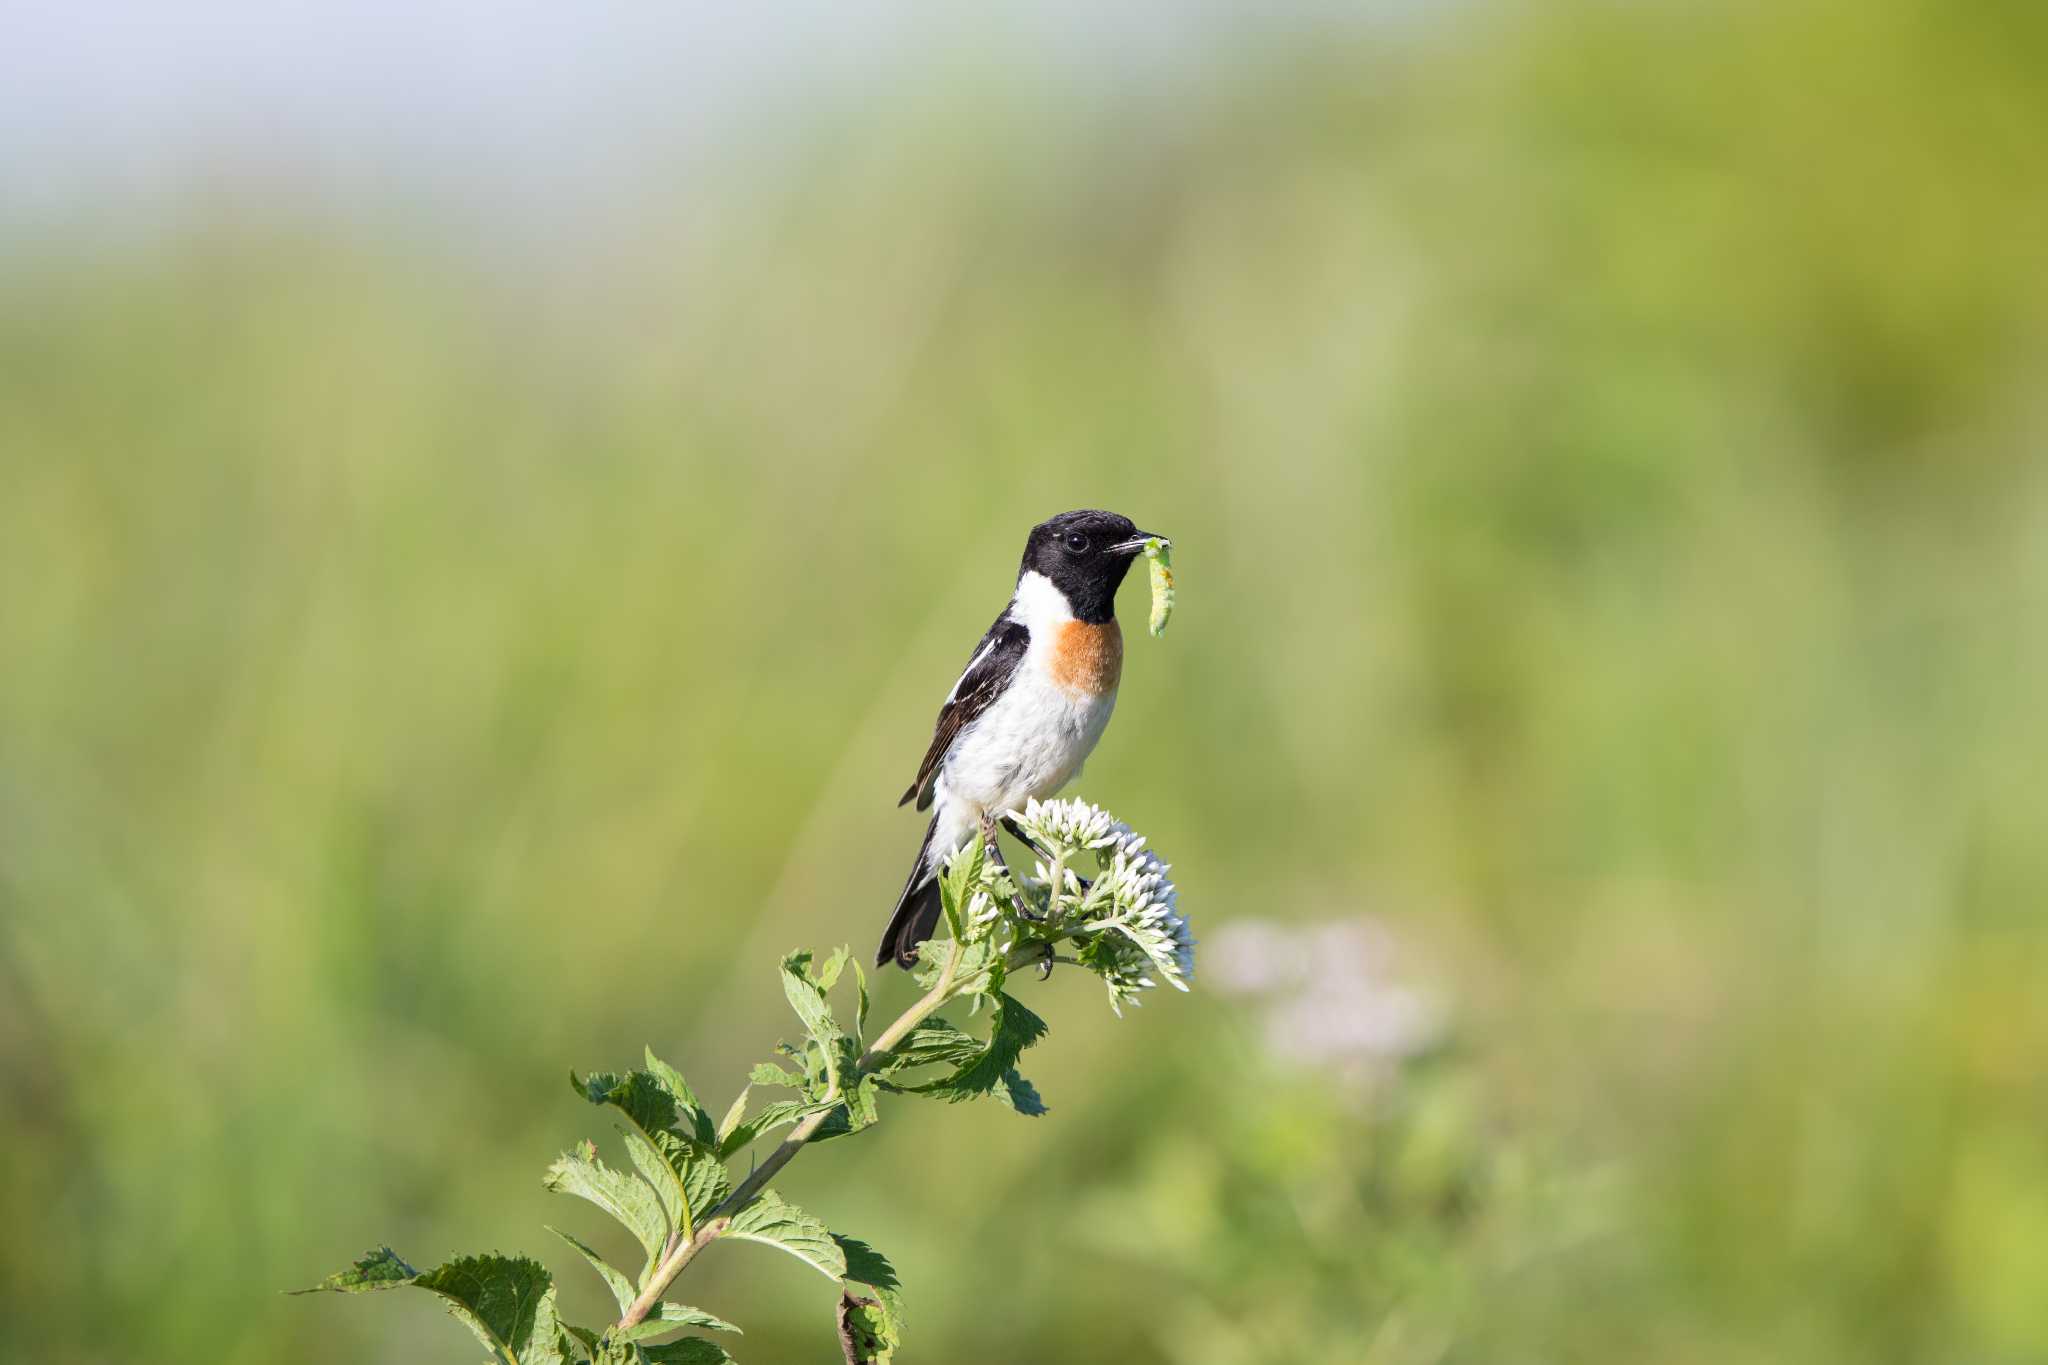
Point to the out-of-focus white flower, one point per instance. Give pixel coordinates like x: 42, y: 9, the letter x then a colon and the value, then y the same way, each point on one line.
x: 1336, y: 994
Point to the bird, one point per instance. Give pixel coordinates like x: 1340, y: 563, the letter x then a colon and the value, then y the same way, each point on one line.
x: 1029, y: 707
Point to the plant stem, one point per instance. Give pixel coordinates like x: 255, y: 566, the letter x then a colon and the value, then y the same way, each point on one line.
x: 719, y: 1218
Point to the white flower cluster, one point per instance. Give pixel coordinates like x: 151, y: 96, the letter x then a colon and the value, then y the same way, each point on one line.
x: 1126, y: 923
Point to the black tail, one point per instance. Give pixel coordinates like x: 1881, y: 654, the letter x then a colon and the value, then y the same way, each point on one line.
x: 917, y: 910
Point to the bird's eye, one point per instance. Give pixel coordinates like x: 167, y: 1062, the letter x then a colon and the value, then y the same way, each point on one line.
x: 1077, y: 542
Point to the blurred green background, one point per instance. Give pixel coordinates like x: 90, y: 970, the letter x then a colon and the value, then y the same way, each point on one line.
x: 1604, y: 448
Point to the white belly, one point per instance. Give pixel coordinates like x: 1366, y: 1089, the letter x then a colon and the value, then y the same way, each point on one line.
x: 1030, y: 743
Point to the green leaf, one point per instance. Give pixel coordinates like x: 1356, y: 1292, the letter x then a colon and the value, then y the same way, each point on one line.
x: 972, y: 974
x: 705, y: 1181
x: 772, y: 1116
x: 379, y: 1269
x: 865, y: 1337
x: 1013, y: 1029
x: 685, y: 1351
x: 507, y: 1302
x: 931, y: 1042
x: 621, y: 1287
x: 881, y: 1321
x: 671, y: 1079
x: 860, y: 1007
x: 956, y: 885
x: 632, y: 1346
x: 683, y: 1167
x: 853, y: 1115
x: 628, y: 1200
x: 1019, y: 1094
x: 667, y: 1317
x: 653, y: 1102
x: 767, y: 1073
x: 698, y: 1125
x: 861, y: 1103
x: 661, y: 1177
x: 733, y: 1115
x: 807, y: 1000
x: 827, y: 975
x: 690, y: 1179
x: 867, y: 1265
x: 775, y: 1221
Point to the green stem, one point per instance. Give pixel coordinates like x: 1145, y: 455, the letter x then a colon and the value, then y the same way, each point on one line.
x: 709, y: 1229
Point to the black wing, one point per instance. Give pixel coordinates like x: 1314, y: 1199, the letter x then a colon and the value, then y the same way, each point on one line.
x: 988, y: 672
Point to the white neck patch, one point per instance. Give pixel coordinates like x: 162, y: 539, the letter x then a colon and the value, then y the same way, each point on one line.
x: 1038, y: 604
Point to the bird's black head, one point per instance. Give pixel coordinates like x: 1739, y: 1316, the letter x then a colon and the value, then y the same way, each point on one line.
x: 1086, y: 555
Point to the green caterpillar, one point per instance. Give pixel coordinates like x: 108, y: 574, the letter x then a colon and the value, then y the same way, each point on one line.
x: 1159, y: 555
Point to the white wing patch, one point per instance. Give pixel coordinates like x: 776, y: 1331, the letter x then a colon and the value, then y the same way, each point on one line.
x: 979, y: 655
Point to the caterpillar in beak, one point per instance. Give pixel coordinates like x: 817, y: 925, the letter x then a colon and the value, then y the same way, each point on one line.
x: 1159, y: 561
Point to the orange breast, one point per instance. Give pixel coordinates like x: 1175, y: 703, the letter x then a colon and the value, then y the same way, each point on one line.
x: 1088, y: 658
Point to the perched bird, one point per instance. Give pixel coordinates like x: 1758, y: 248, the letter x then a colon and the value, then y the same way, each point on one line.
x: 1027, y: 709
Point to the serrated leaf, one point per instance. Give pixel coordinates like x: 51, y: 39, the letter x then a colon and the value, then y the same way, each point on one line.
x: 974, y: 973
x: 507, y: 1302
x: 1016, y: 1093
x: 705, y: 1181
x: 669, y: 1317
x: 770, y: 1117
x: 932, y: 1041
x: 379, y: 1269
x: 827, y: 975
x: 632, y: 1346
x: 697, y: 1172
x: 626, y: 1199
x: 773, y: 1220
x: 865, y: 1265
x: 767, y: 1073
x: 671, y: 1078
x: 649, y: 1099
x: 661, y: 1178
x: 857, y: 1113
x: 956, y: 885
x: 685, y: 1351
x: 861, y: 1103
x: 686, y: 1172
x: 693, y: 1119
x: 621, y: 1287
x: 807, y: 1000
x: 1013, y: 1029
x: 836, y: 1125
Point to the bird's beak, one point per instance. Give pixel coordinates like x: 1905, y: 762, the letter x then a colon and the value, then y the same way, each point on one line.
x: 1136, y: 544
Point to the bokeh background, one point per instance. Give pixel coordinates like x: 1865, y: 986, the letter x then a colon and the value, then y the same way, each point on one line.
x: 491, y: 498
